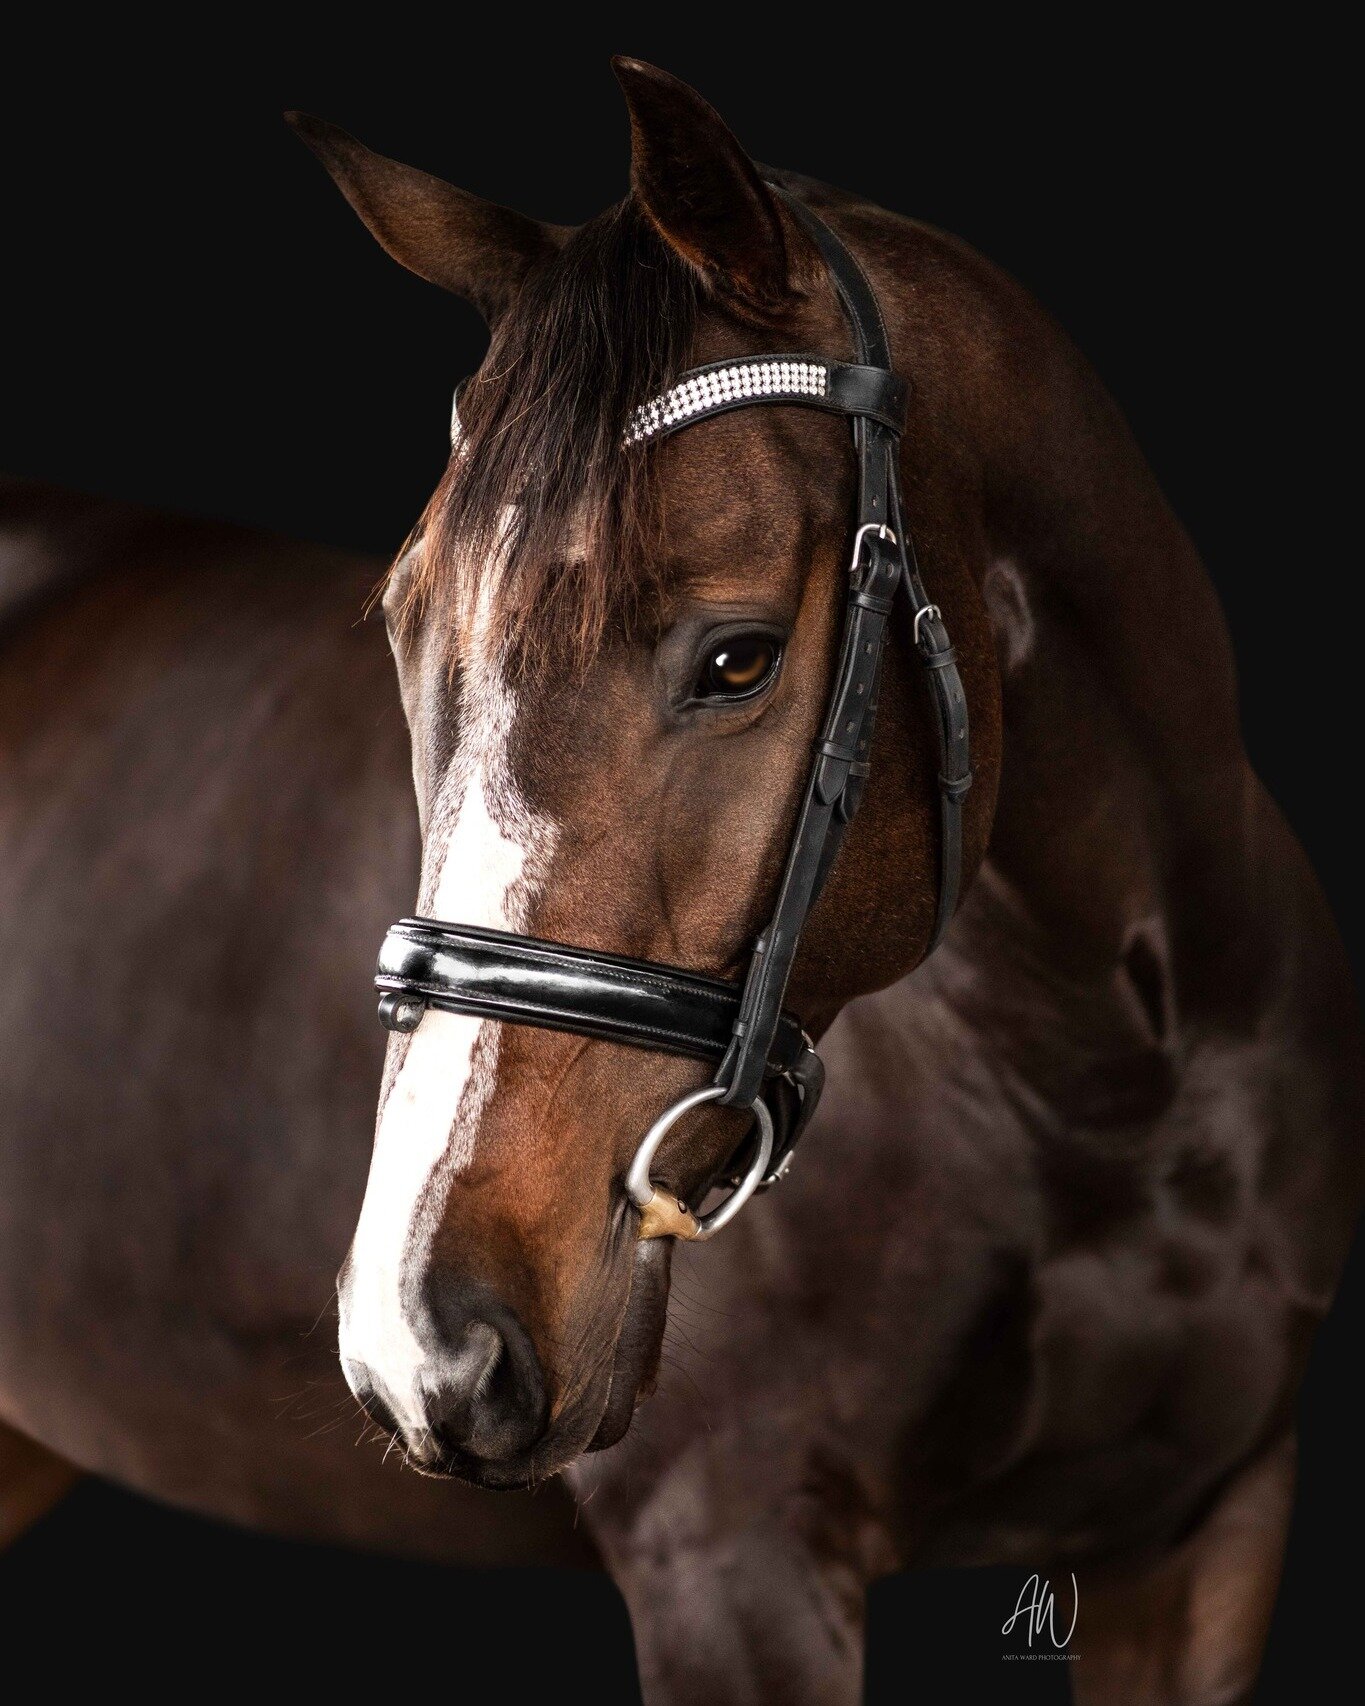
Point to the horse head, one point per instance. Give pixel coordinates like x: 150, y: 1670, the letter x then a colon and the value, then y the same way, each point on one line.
x: 617, y: 648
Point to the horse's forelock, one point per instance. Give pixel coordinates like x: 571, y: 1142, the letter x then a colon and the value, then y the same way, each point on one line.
x: 540, y: 495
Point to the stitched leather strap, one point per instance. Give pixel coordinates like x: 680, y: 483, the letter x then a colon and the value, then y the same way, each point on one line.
x: 953, y: 727
x: 851, y: 283
x: 457, y: 968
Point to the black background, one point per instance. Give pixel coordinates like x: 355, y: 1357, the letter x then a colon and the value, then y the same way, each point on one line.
x: 195, y: 320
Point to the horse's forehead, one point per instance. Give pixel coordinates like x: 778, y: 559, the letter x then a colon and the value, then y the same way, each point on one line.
x: 754, y: 479
x: 742, y: 503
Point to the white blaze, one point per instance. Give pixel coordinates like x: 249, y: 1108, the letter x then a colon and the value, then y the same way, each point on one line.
x: 483, y: 859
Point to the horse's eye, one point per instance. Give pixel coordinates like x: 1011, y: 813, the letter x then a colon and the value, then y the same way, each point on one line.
x: 739, y: 666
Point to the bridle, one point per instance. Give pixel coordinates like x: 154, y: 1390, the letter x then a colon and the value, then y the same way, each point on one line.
x: 764, y: 1061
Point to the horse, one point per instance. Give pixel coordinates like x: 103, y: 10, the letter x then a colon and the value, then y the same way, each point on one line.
x: 1041, y: 1281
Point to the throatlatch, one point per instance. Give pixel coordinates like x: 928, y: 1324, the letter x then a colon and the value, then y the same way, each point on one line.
x: 764, y: 1060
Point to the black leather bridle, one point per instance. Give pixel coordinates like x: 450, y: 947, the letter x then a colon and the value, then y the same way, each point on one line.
x: 764, y: 1061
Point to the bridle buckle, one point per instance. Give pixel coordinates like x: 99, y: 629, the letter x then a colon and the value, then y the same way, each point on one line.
x: 926, y: 610
x: 880, y: 529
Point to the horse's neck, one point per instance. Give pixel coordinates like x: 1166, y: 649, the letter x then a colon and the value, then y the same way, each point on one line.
x: 1115, y: 899
x: 1118, y: 686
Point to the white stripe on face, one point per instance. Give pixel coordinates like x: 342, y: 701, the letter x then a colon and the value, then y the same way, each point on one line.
x: 484, y: 856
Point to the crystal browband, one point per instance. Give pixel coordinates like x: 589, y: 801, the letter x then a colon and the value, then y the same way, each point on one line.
x: 738, y: 381
x: 841, y: 387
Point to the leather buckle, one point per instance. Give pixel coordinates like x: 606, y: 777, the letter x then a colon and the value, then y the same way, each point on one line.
x: 880, y: 529
x: 926, y: 611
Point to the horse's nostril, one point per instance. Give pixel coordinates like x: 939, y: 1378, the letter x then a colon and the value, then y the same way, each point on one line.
x: 485, y: 1398
x: 476, y: 1361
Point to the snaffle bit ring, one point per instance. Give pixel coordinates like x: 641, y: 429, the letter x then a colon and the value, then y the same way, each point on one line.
x: 664, y: 1216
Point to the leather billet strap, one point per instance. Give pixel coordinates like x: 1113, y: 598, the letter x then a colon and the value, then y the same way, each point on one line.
x: 953, y: 727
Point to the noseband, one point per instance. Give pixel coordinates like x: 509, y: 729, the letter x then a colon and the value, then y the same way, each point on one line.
x: 763, y: 1059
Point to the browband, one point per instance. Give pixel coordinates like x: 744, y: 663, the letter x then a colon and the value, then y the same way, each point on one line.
x: 841, y: 387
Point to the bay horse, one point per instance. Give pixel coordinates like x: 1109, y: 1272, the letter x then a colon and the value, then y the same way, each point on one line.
x: 1041, y: 1283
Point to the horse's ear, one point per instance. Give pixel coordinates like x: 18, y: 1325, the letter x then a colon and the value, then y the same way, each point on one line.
x: 700, y: 188
x: 476, y: 249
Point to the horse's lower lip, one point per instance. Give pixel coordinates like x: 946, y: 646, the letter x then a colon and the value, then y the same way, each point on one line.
x: 475, y: 1472
x: 548, y: 1457
x: 551, y: 1454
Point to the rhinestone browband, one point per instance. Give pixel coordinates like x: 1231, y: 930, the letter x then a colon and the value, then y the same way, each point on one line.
x: 732, y: 382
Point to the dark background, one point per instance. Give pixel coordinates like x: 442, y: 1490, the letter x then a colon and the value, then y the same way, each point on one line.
x: 195, y: 320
